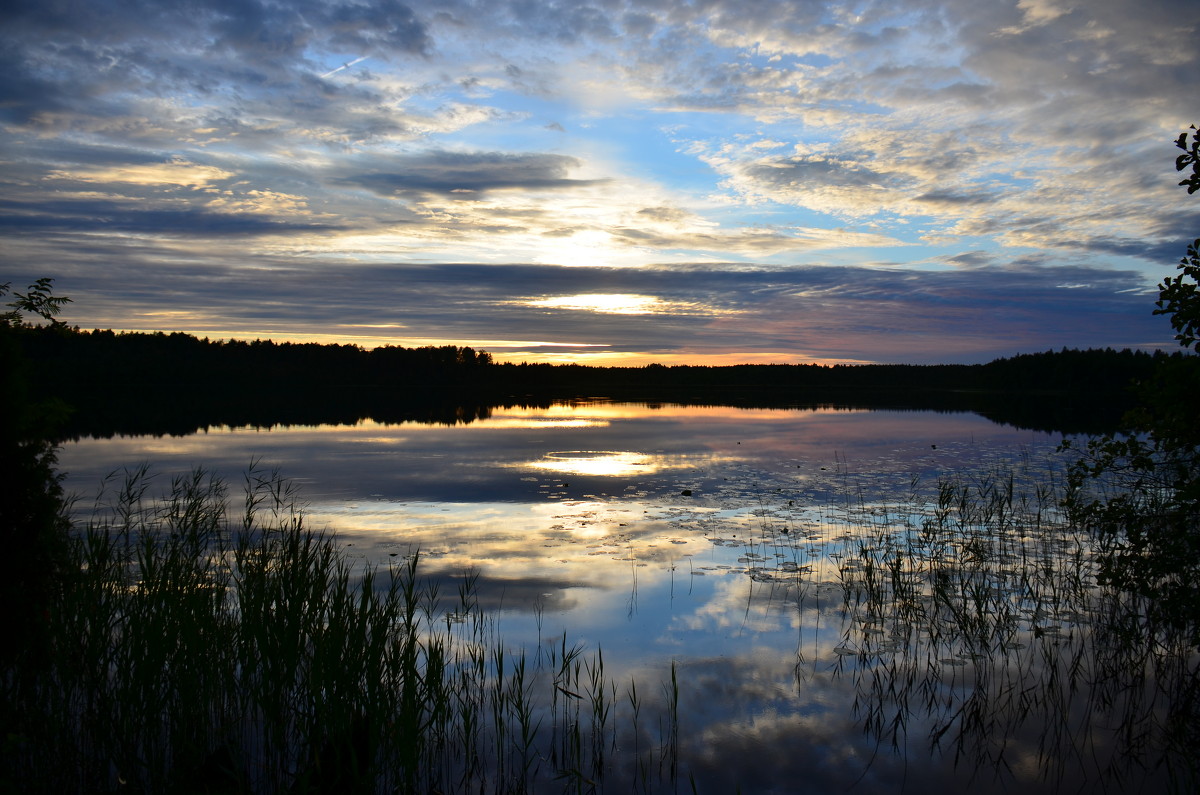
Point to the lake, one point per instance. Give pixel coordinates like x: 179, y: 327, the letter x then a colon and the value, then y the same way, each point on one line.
x: 872, y: 601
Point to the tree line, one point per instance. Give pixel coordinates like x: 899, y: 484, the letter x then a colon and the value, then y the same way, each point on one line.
x: 173, y: 383
x: 69, y: 362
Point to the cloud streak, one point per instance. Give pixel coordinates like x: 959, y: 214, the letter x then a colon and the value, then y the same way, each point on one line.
x: 677, y: 314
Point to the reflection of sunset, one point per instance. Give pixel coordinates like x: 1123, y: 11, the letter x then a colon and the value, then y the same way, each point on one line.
x: 586, y: 499
x: 719, y: 543
x: 601, y: 409
x: 579, y: 544
x: 564, y: 353
x: 596, y: 462
x: 530, y: 422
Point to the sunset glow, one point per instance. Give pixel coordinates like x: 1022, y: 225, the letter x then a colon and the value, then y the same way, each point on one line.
x: 626, y: 182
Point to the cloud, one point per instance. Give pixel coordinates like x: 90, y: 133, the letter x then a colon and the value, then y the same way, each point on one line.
x: 176, y: 173
x: 251, y: 29
x: 1035, y: 14
x: 253, y: 218
x: 953, y: 199
x: 835, y: 185
x: 759, y: 140
x: 447, y: 173
x: 683, y: 313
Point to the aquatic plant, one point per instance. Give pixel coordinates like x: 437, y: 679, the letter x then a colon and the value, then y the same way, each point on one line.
x: 198, y: 648
x: 978, y: 620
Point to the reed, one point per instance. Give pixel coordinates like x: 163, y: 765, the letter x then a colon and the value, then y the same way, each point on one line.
x: 195, y: 652
x: 977, y: 618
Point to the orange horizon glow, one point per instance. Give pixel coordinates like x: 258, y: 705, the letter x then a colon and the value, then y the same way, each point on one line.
x: 634, y: 359
x: 519, y: 351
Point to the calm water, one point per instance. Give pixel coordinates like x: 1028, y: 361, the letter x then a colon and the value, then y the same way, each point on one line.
x: 732, y: 542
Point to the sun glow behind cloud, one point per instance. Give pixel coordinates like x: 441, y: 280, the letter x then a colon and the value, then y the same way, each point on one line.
x: 612, y: 304
x: 586, y: 247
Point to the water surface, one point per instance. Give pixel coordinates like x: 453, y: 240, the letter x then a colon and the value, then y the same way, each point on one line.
x: 724, y: 540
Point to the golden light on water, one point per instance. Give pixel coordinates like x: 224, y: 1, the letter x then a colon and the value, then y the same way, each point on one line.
x: 519, y: 422
x: 607, y: 463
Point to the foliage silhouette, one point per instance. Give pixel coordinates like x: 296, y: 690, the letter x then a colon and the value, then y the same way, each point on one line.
x: 1141, y: 490
x: 176, y: 383
x: 40, y: 301
x: 1189, y: 159
x: 32, y: 523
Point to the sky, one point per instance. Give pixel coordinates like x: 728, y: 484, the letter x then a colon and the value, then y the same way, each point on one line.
x: 605, y: 182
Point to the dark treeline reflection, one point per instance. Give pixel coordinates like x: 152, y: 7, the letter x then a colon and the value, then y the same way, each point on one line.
x: 175, y: 383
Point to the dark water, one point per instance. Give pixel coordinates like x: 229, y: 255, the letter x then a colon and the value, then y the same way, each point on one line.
x: 749, y: 547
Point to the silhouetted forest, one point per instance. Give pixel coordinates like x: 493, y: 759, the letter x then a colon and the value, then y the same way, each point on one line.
x: 175, y: 383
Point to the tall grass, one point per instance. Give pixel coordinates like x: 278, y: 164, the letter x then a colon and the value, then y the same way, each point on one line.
x: 978, y: 617
x: 203, y: 648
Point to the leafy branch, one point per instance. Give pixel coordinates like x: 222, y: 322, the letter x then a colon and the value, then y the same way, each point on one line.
x: 39, y: 300
x: 1190, y: 157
